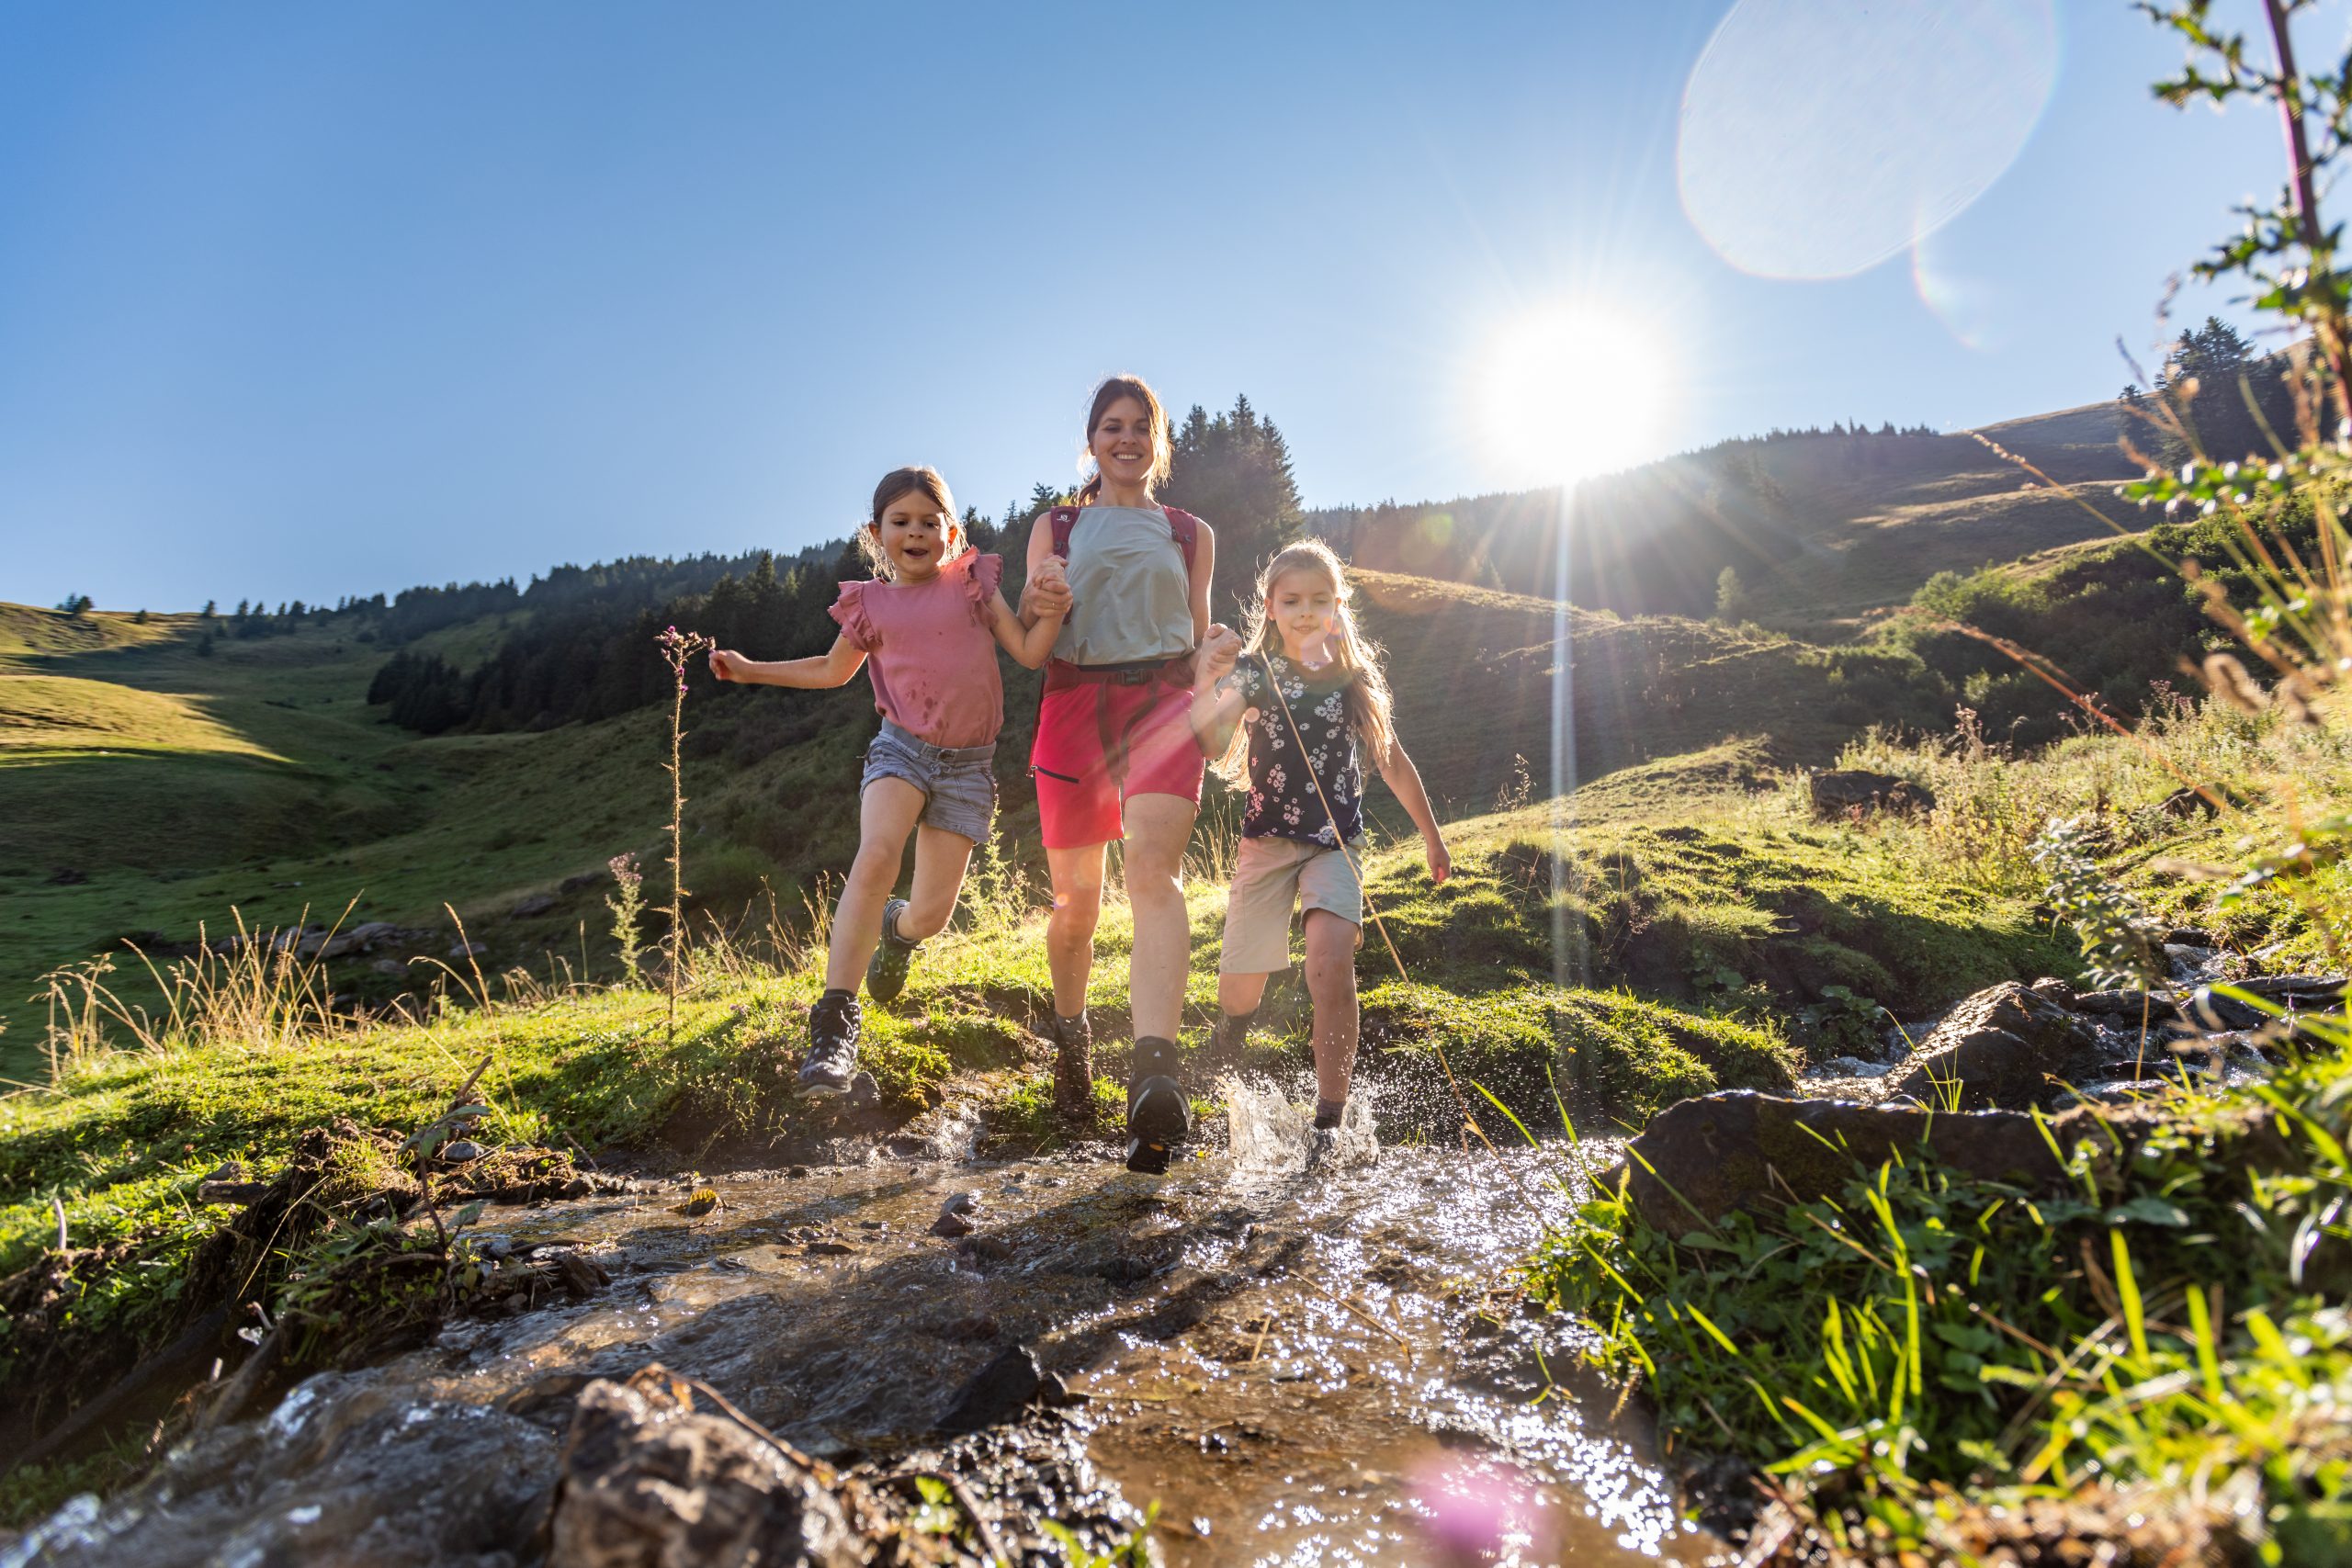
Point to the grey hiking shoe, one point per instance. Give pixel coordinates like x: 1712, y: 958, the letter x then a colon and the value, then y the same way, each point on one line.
x: 885, y: 972
x: 1159, y: 1116
x: 1322, y: 1143
x: 1073, y: 1040
x: 831, y: 1068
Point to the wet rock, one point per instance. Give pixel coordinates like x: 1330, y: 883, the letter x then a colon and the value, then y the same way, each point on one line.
x: 2054, y: 991
x: 461, y: 1151
x: 1845, y: 790
x: 388, y: 966
x: 536, y: 904
x: 988, y: 1248
x: 580, y: 879
x: 997, y: 1392
x: 830, y: 1249
x: 464, y: 949
x: 1701, y: 1159
x: 650, y: 1482
x: 957, y: 1216
x: 2002, y: 1048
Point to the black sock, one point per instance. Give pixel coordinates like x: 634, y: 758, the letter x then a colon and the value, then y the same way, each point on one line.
x: 1329, y: 1111
x: 838, y: 991
x: 1237, y: 1023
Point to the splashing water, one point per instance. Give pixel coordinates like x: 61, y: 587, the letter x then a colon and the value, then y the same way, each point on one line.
x: 1270, y: 1134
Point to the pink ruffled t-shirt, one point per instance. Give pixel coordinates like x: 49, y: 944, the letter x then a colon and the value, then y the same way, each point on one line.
x: 928, y: 650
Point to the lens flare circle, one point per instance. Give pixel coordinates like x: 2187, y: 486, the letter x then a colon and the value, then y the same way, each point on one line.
x: 1817, y: 141
x: 1570, y: 391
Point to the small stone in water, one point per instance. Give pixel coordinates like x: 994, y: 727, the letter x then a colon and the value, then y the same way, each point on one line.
x: 461, y: 1151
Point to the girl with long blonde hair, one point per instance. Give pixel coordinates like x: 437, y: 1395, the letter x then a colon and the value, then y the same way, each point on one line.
x: 1297, y: 705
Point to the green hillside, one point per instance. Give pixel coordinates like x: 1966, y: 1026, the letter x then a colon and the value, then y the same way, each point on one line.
x: 159, y: 789
x: 1823, y: 529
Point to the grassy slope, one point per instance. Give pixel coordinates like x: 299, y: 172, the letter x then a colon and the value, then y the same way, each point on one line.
x: 1789, y: 905
x: 1948, y: 505
x: 257, y: 778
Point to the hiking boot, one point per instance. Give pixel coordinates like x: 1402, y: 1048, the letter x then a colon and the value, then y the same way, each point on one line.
x: 831, y: 1069
x: 885, y: 972
x: 1073, y: 1040
x: 1225, y: 1045
x: 1159, y: 1116
x: 1321, y: 1145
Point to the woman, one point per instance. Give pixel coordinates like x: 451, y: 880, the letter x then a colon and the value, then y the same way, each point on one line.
x: 1115, y: 756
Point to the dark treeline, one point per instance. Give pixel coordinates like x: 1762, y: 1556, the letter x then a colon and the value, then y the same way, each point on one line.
x: 2211, y: 385
x: 585, y: 650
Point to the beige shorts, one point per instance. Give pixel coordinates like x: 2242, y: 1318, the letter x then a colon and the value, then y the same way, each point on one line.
x: 1269, y: 877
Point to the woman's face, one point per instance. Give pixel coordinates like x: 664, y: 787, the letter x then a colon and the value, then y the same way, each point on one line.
x: 1303, y: 608
x: 914, y: 536
x: 1121, y: 443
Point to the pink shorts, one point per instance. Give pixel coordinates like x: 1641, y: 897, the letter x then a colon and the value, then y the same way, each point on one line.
x: 1102, y: 741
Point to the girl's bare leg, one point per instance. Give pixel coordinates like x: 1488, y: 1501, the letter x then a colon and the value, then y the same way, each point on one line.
x: 1332, y: 981
x: 1077, y: 876
x: 886, y: 816
x: 1238, y: 994
x: 1159, y: 826
x: 941, y: 858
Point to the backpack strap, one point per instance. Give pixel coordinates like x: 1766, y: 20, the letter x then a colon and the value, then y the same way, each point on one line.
x: 1063, y: 519
x: 1185, y: 529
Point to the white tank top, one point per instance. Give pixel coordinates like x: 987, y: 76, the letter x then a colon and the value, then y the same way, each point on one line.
x: 1131, y: 599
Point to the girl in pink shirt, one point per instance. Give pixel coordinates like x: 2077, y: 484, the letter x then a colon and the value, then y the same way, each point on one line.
x: 926, y: 627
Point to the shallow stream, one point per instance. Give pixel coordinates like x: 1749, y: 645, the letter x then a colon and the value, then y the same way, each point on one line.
x: 1325, y: 1369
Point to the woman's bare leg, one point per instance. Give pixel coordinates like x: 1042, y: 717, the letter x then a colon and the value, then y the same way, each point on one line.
x: 1077, y: 876
x: 1159, y: 826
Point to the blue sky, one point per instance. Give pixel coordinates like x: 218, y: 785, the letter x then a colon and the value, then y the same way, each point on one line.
x: 306, y: 300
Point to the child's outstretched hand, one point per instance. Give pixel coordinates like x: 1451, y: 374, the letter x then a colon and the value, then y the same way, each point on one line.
x: 1440, y: 858
x: 727, y: 664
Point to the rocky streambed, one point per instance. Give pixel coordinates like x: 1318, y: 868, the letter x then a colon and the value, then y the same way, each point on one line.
x: 933, y: 1359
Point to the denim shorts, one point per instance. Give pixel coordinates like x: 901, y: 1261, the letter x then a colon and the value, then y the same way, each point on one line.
x: 958, y: 783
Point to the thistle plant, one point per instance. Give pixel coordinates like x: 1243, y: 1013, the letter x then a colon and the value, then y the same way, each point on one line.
x: 679, y: 650
x: 627, y: 903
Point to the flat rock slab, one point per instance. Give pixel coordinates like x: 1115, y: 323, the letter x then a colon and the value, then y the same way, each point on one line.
x: 1700, y: 1161
x: 2004, y: 1047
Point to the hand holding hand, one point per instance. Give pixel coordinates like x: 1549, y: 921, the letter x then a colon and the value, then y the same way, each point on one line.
x: 1047, y: 592
x: 1441, y: 860
x: 1220, y: 652
x: 727, y: 664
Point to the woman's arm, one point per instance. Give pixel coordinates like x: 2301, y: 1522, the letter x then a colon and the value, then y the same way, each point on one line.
x: 831, y: 667
x: 1030, y: 645
x: 1204, y: 569
x: 1047, y: 590
x: 1405, y: 779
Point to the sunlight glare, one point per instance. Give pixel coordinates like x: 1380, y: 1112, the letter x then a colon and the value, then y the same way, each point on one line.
x: 1817, y: 141
x: 1571, y: 391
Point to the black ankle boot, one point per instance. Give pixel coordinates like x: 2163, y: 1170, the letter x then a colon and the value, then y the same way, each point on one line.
x: 1159, y: 1116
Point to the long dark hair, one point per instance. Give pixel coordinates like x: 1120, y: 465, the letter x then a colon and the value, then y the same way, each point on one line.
x: 1163, y: 450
